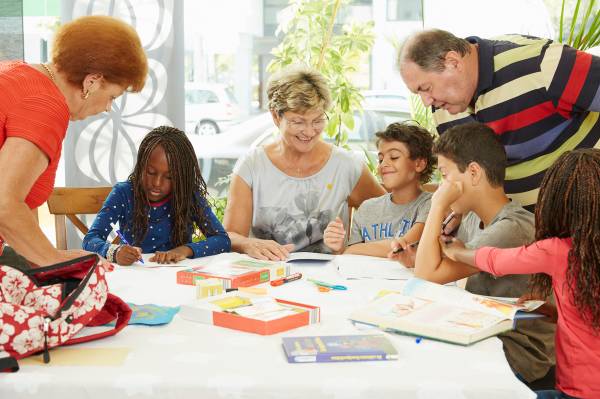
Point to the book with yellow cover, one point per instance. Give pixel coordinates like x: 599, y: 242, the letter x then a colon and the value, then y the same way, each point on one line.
x: 441, y: 312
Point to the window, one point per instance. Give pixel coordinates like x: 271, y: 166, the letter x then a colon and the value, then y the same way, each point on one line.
x: 404, y: 10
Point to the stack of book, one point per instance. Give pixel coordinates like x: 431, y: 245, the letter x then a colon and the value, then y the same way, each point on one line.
x: 236, y: 273
x: 251, y: 313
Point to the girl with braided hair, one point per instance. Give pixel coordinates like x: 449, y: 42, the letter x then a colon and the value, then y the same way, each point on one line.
x: 160, y: 207
x: 566, y: 256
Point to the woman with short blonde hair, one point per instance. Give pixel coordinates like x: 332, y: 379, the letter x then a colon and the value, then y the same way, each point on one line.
x: 94, y: 60
x: 283, y: 195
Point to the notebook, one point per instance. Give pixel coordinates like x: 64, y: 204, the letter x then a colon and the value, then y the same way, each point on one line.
x: 338, y: 348
x: 440, y: 312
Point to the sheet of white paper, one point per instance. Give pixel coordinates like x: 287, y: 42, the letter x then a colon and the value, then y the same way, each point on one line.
x: 359, y: 267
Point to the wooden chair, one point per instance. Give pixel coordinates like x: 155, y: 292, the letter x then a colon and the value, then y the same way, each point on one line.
x: 68, y: 202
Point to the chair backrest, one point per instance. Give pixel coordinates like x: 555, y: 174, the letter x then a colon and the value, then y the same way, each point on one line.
x: 68, y: 202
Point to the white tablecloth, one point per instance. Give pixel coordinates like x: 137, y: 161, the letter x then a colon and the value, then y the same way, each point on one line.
x: 190, y: 360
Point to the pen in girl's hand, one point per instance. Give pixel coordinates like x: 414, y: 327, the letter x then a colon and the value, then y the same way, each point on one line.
x: 123, y: 239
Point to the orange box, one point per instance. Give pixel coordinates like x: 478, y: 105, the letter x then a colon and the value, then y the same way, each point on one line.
x: 301, y: 315
x: 233, y: 276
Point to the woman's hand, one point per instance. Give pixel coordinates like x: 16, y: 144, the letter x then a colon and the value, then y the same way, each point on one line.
x: 266, y: 249
x: 172, y: 256
x: 126, y: 255
x: 334, y: 235
x: 71, y: 254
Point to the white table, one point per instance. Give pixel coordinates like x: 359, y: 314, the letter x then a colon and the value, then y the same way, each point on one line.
x: 190, y: 360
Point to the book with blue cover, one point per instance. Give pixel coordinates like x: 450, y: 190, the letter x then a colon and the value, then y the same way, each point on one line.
x: 338, y: 348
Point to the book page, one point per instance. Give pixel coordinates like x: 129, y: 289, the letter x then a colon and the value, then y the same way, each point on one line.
x: 439, y: 293
x: 436, y: 315
x: 363, y: 267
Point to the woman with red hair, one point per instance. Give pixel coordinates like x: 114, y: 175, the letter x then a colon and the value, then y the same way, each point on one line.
x: 94, y: 60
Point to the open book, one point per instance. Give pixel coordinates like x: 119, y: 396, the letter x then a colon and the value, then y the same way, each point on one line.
x: 441, y: 312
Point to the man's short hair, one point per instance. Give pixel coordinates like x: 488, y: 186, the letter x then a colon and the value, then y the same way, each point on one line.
x: 474, y: 142
x: 428, y: 49
x: 418, y: 141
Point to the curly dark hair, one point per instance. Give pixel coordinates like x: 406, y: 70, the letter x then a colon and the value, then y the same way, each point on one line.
x: 187, y: 185
x: 418, y: 141
x: 569, y: 206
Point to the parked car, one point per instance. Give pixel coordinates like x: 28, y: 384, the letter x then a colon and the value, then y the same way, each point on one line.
x: 217, y: 154
x: 209, y: 108
x: 387, y: 100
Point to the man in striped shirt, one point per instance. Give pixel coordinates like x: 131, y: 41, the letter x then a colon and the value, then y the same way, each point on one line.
x: 541, y: 98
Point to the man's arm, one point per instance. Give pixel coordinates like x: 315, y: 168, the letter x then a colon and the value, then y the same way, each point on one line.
x: 572, y: 78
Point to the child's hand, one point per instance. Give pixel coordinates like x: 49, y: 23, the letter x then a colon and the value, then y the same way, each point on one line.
x: 334, y: 235
x: 451, y: 246
x: 451, y: 227
x: 406, y: 256
x: 127, y: 254
x: 173, y: 256
x: 446, y: 194
x: 547, y: 309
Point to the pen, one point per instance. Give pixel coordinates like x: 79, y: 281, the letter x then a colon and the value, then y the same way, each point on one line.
x: 447, y: 220
x: 291, y: 277
x: 123, y: 239
x: 400, y: 249
x: 324, y: 284
x: 414, y: 244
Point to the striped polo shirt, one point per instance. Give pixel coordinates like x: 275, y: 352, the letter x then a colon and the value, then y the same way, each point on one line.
x: 541, y: 98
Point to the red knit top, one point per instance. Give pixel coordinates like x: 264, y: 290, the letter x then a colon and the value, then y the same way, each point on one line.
x: 33, y: 108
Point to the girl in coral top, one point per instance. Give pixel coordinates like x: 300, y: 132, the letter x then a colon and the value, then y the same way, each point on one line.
x: 94, y: 60
x: 566, y: 257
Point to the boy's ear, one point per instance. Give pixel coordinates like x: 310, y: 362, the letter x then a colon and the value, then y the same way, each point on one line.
x: 476, y: 173
x: 420, y: 164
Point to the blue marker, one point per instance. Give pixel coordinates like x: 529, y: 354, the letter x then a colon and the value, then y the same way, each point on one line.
x: 418, y: 340
x: 123, y: 239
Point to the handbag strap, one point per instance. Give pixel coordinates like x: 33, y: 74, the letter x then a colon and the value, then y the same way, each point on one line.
x: 116, y: 308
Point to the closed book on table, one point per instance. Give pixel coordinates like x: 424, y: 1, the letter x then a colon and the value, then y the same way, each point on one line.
x: 442, y: 313
x: 232, y: 275
x: 338, y: 348
x: 276, y: 270
x: 251, y: 313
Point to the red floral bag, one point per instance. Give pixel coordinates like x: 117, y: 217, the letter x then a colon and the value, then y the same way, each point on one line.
x: 45, y: 307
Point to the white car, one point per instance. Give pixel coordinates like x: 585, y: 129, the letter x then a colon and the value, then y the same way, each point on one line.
x: 387, y: 100
x: 209, y: 108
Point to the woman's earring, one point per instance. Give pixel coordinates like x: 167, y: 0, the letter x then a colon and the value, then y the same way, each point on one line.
x: 85, y: 95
